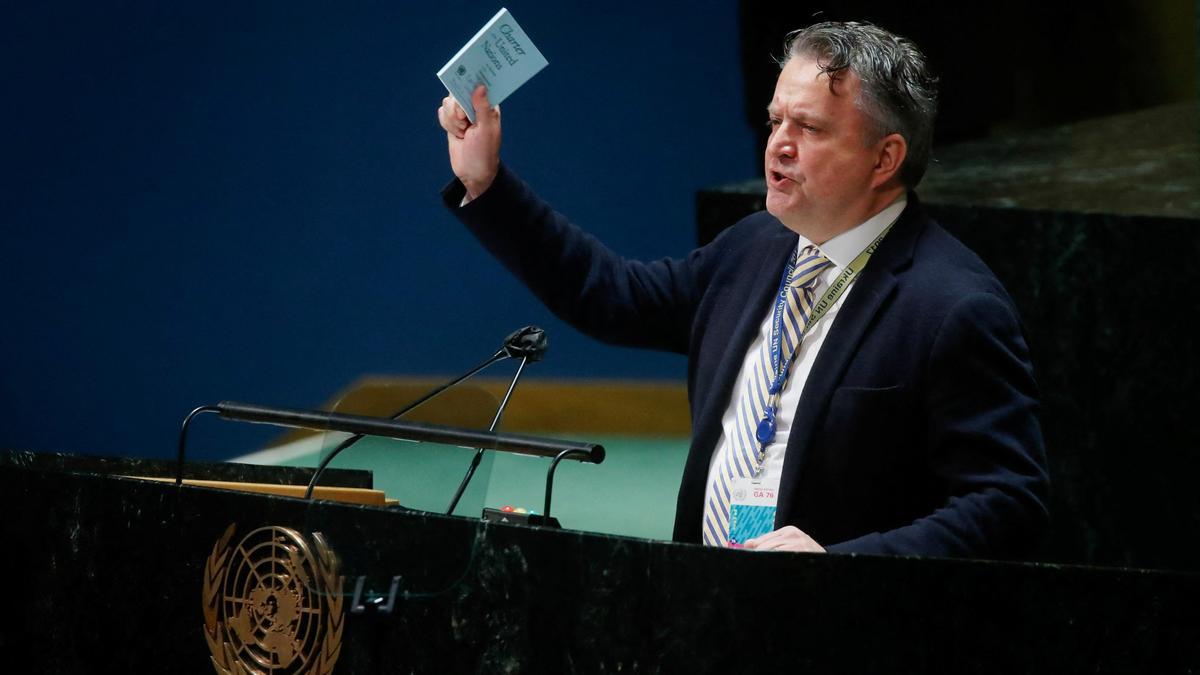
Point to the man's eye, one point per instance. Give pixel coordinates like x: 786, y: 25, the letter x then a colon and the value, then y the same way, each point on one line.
x: 772, y: 122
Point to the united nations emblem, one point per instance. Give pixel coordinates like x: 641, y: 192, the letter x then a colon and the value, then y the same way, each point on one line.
x: 272, y: 604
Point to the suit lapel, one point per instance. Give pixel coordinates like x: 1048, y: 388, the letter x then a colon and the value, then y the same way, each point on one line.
x: 771, y: 256
x: 767, y: 258
x: 871, y: 291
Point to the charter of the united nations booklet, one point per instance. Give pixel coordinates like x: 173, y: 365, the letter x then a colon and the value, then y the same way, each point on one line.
x: 500, y: 56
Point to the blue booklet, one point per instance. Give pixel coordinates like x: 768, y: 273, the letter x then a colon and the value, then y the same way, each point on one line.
x: 500, y: 56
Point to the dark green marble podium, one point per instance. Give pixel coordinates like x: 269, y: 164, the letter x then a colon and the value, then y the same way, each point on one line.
x: 105, y: 574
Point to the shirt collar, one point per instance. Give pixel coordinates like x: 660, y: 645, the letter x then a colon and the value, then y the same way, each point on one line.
x: 844, y: 248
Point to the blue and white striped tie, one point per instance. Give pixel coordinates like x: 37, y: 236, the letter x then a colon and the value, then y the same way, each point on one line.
x: 743, y: 455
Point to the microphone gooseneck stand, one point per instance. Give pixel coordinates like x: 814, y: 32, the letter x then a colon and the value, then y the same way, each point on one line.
x: 312, y: 483
x: 462, y: 487
x: 569, y: 452
x: 529, y: 343
x: 183, y: 431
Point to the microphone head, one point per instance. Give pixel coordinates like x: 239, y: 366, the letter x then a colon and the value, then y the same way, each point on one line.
x: 529, y: 342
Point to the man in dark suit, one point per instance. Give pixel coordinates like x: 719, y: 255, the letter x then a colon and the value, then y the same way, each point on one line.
x: 858, y: 380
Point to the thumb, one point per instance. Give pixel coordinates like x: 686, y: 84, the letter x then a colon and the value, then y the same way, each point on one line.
x: 485, y: 114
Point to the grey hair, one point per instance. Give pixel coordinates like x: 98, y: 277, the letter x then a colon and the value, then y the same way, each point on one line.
x: 898, y: 94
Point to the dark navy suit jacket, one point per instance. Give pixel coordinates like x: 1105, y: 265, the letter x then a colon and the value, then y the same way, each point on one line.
x: 916, y: 432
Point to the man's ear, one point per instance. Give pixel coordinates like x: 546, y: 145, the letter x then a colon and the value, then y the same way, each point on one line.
x: 891, y: 151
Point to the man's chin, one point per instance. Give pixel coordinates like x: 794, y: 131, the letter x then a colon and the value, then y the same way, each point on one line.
x: 777, y: 204
x: 788, y: 216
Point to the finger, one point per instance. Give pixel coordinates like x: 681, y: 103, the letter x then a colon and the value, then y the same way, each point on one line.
x: 452, y: 126
x: 774, y: 538
x: 779, y: 544
x: 789, y: 539
x: 783, y: 545
x: 485, y: 114
x: 770, y: 536
x: 452, y: 108
x: 756, y: 542
x: 450, y: 123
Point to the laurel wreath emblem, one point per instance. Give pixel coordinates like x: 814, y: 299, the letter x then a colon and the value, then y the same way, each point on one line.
x: 237, y: 639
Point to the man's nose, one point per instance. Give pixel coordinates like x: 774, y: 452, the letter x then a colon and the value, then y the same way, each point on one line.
x: 781, y: 145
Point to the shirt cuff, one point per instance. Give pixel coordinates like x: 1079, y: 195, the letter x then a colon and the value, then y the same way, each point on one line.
x: 454, y: 194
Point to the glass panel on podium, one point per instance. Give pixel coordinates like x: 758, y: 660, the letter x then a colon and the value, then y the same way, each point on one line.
x: 420, y: 476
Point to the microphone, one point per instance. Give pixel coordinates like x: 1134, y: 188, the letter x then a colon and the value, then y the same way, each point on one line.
x: 528, y: 343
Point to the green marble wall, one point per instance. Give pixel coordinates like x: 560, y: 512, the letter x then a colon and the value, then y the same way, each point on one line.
x: 1110, y: 305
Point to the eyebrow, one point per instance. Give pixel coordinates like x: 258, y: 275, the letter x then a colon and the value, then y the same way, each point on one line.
x: 821, y: 121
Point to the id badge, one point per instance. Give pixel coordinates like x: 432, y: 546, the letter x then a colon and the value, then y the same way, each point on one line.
x: 751, y: 509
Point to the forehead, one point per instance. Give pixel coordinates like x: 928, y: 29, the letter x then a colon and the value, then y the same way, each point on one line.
x: 803, y: 84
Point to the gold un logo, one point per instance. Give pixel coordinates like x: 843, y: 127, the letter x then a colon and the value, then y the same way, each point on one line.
x: 272, y: 604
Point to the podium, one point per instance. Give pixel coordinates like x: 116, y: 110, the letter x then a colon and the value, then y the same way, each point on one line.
x: 108, y: 573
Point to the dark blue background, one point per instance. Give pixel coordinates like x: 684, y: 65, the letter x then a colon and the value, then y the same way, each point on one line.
x: 206, y: 201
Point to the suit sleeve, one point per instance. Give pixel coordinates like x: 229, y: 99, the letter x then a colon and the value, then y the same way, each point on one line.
x: 984, y: 443
x: 583, y: 282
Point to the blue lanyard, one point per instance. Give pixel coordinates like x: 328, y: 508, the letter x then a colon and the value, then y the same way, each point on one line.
x: 781, y: 369
x: 765, y: 432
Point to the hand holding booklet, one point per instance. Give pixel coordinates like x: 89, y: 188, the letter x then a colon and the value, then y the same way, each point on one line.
x: 500, y: 56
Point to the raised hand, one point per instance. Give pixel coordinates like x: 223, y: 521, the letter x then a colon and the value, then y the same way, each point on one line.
x: 474, y: 148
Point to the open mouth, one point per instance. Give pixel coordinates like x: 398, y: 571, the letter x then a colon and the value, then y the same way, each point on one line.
x: 776, y: 177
